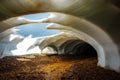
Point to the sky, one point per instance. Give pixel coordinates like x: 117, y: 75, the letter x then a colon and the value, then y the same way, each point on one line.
x: 36, y: 30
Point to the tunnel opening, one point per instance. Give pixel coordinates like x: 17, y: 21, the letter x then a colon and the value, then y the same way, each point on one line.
x: 49, y: 50
x: 78, y: 48
x: 36, y: 29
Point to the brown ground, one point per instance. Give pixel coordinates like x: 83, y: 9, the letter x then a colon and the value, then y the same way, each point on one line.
x: 53, y: 68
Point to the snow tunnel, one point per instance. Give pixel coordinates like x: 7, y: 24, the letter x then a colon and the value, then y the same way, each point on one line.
x: 88, y: 28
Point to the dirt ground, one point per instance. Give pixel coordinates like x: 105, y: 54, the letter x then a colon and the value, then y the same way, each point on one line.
x: 35, y: 67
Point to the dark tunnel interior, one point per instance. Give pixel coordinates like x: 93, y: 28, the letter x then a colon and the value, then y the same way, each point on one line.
x: 78, y: 48
x: 85, y: 50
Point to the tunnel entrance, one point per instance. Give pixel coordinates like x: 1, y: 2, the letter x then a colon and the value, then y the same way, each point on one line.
x: 78, y: 48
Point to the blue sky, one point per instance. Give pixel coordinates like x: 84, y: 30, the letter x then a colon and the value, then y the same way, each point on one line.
x: 37, y: 30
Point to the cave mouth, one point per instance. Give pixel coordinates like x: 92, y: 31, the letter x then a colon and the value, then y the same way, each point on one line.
x: 78, y: 48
